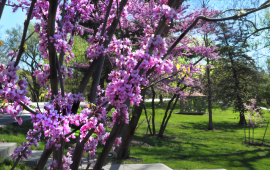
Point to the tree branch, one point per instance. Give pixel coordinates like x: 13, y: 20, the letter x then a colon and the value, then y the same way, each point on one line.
x: 208, y: 19
x: 26, y: 24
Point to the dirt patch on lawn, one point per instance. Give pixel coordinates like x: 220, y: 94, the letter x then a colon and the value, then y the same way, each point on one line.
x: 132, y: 160
x: 136, y: 143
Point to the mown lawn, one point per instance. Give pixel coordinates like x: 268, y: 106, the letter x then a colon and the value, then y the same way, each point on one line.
x: 187, y: 143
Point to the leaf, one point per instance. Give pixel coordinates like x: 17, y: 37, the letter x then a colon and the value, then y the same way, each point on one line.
x: 1, y: 42
x: 178, y: 66
x: 25, y: 47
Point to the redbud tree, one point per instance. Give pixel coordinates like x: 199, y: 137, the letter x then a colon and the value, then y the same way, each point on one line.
x: 136, y: 61
x: 253, y: 117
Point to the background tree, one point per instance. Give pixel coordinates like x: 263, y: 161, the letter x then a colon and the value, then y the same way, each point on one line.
x: 234, y: 76
x: 30, y: 59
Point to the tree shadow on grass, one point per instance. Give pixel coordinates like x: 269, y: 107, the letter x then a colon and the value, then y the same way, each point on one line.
x: 168, y: 141
x: 202, y: 153
x: 222, y: 125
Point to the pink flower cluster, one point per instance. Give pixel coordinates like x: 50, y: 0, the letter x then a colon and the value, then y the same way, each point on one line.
x: 118, y: 45
x: 254, y: 118
x: 95, y: 51
x: 164, y: 10
x: 67, y: 101
x: 159, y: 45
x: 13, y: 89
x: 43, y: 75
x: 66, y: 72
x: 32, y: 137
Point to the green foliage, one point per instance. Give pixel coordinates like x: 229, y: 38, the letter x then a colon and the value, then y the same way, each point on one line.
x: 79, y: 49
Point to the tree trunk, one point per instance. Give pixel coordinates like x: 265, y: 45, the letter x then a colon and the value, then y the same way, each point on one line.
x: 160, y: 99
x: 36, y: 86
x: 129, y: 130
x: 166, y: 123
x: 210, y: 124
x: 239, y: 101
x: 153, y: 110
x: 108, y: 146
x: 242, y: 120
x: 101, y: 83
x: 123, y: 153
x: 268, y: 101
x: 165, y: 118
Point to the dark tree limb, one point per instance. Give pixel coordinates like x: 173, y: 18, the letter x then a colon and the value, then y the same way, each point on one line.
x: 26, y: 24
x: 108, y: 146
x: 2, y: 5
x: 44, y: 158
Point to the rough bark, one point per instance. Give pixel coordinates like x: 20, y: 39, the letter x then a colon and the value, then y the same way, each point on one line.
x: 109, y: 143
x: 44, y: 158
x: 123, y: 151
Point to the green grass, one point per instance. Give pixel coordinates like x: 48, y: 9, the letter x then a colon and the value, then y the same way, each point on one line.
x: 16, y: 133
x: 6, y: 164
x: 187, y: 144
x: 194, y: 147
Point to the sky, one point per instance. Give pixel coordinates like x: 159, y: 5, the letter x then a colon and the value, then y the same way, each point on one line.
x: 260, y: 56
x: 10, y: 20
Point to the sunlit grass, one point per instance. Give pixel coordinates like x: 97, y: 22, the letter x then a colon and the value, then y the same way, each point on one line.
x: 194, y: 147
